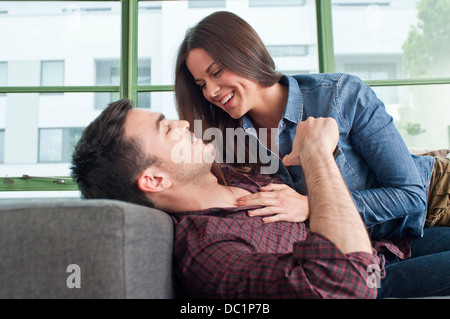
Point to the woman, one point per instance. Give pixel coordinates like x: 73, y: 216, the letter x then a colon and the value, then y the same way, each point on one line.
x: 226, y: 78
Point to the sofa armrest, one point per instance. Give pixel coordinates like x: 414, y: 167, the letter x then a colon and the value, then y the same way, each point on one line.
x: 122, y: 250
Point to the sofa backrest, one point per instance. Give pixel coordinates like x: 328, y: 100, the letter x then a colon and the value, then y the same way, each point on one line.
x: 85, y: 249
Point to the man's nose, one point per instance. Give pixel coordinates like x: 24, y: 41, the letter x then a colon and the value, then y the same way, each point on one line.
x: 183, y: 124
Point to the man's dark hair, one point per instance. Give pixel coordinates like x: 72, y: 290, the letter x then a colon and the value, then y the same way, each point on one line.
x: 105, y: 163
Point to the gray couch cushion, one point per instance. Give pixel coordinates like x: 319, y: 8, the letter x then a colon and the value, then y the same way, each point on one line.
x: 123, y: 250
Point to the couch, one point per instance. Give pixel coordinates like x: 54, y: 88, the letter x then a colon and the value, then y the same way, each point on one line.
x: 89, y: 249
x: 85, y: 249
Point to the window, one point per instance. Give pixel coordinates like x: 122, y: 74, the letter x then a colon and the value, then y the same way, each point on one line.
x: 206, y: 3
x: 76, y: 9
x: 144, y: 78
x: 390, y: 54
x: 287, y: 50
x: 107, y: 72
x: 52, y: 73
x: 418, y: 40
x: 372, y: 71
x: 65, y: 36
x: 292, y: 33
x: 3, y: 75
x: 421, y: 113
x: 2, y: 146
x: 57, y: 144
x: 277, y: 3
x: 352, y: 3
x: 291, y: 37
x: 89, y: 53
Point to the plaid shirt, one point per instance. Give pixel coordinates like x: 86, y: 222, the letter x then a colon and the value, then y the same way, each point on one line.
x: 224, y: 253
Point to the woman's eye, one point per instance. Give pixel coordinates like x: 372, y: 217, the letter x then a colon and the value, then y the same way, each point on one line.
x: 217, y: 73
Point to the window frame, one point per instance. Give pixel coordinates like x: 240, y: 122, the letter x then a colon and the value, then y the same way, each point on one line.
x: 129, y: 86
x: 2, y: 143
x: 5, y: 74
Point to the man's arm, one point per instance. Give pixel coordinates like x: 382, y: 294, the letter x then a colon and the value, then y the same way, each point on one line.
x: 332, y: 211
x: 316, y: 268
x: 331, y: 263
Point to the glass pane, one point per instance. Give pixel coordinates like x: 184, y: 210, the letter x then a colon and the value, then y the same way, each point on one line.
x: 76, y: 33
x: 50, y: 145
x: 421, y: 114
x: 3, y: 73
x: 57, y: 144
x: 144, y: 72
x: 261, y: 3
x: 2, y: 145
x: 163, y: 102
x: 206, y: 3
x: 291, y: 34
x: 52, y: 73
x: 40, y: 131
x: 396, y: 39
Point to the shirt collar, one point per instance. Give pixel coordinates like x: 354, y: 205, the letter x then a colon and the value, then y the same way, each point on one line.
x: 294, y: 106
x: 293, y: 111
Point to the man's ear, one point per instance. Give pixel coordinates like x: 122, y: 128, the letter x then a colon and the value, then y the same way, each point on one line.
x: 153, y: 180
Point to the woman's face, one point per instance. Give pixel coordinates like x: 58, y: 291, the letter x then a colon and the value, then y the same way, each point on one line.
x: 232, y: 93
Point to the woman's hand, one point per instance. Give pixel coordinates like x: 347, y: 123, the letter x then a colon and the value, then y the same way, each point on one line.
x: 281, y: 202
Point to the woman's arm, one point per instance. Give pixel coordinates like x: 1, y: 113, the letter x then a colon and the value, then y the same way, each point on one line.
x: 396, y: 201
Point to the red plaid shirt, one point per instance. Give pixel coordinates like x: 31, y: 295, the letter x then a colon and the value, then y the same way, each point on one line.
x: 224, y: 253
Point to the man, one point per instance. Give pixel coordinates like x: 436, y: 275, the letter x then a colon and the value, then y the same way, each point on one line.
x: 139, y: 156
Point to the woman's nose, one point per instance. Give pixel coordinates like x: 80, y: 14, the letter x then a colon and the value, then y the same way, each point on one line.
x: 213, y: 90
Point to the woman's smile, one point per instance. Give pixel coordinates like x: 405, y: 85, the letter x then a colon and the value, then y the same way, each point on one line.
x: 226, y: 101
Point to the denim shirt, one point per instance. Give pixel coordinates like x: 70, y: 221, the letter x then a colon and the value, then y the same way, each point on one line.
x: 389, y: 186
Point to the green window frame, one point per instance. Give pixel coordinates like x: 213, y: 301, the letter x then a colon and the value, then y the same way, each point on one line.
x: 2, y: 142
x: 130, y: 88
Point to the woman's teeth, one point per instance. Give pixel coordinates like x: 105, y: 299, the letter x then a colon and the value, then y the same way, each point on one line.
x: 227, y: 98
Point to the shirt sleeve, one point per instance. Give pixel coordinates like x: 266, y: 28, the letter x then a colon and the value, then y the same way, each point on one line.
x: 316, y: 268
x: 400, y: 196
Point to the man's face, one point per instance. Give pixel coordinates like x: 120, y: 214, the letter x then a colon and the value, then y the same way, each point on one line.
x: 170, y: 141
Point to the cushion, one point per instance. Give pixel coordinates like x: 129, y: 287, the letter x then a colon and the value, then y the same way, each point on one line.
x: 121, y: 250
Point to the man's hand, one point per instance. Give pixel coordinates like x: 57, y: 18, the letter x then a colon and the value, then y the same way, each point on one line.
x: 313, y: 137
x: 332, y: 211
